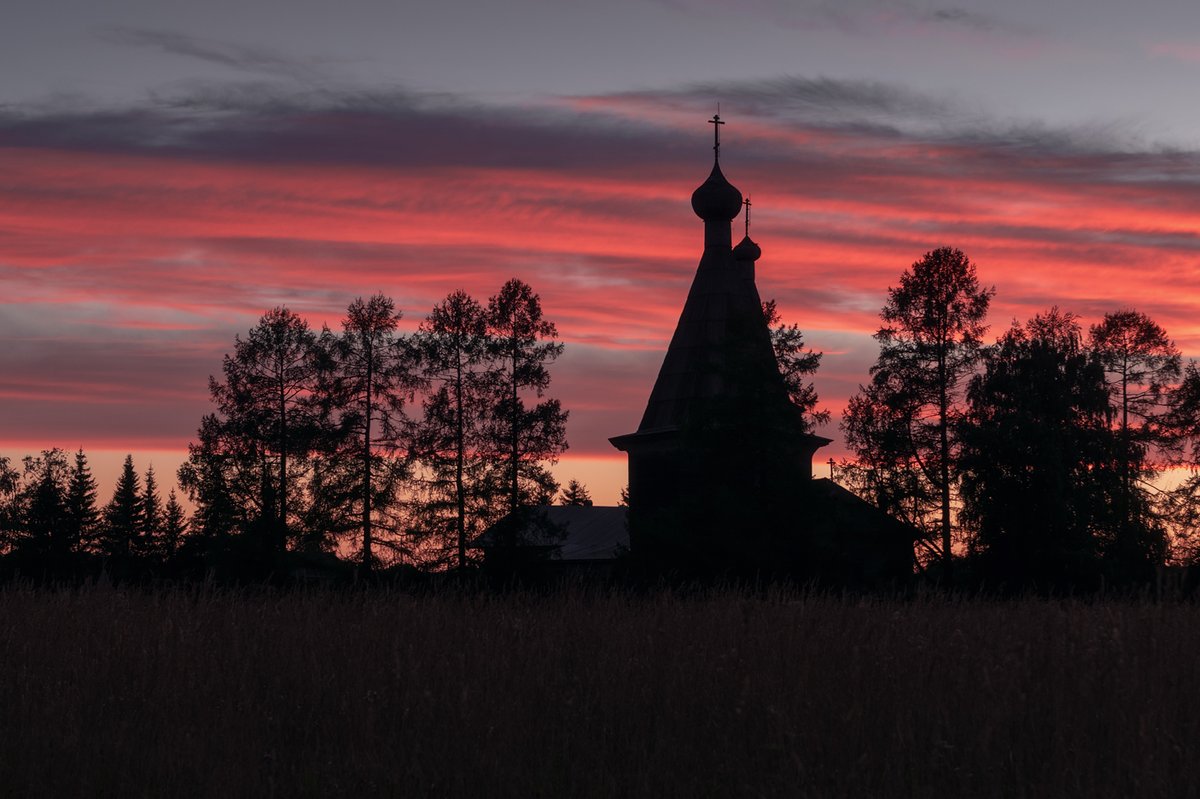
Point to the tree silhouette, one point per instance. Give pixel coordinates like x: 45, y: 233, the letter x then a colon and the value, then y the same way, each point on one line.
x: 82, y: 517
x: 10, y: 516
x: 796, y: 364
x: 901, y: 426
x: 523, y: 345
x: 1037, y: 455
x: 453, y: 499
x: 152, y: 514
x: 1141, y: 366
x: 267, y: 409
x: 374, y: 378
x: 576, y: 494
x: 175, y: 526
x: 224, y: 477
x: 123, y: 517
x: 43, y: 505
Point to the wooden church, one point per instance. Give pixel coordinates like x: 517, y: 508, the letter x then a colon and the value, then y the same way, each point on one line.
x: 720, y: 467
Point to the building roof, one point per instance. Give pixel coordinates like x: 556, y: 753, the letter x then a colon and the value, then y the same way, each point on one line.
x: 588, y: 532
x: 722, y: 344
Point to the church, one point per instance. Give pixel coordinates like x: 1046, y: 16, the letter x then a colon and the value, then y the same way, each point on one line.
x: 720, y: 467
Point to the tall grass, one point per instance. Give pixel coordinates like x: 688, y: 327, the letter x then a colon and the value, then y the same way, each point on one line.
x: 109, y: 692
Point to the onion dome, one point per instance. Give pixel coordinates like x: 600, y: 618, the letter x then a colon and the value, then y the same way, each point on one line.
x: 716, y: 200
x: 747, y: 250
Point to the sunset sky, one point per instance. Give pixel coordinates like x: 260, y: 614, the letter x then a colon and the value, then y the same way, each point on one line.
x: 169, y: 171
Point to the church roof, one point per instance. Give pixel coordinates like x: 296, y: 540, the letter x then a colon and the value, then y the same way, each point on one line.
x: 721, y: 342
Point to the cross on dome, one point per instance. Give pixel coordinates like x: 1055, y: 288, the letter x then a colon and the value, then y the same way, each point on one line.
x: 716, y: 122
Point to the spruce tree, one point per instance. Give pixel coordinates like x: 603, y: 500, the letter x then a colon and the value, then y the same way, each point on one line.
x: 123, y: 515
x: 82, y: 515
x: 576, y: 494
x: 174, y: 526
x: 152, y: 514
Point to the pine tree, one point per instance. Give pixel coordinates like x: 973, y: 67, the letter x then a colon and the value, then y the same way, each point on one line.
x: 1141, y: 366
x: 453, y: 498
x: 43, y: 506
x: 373, y: 379
x: 901, y: 427
x: 522, y: 437
x: 82, y: 515
x: 174, y: 526
x: 152, y: 514
x: 576, y: 494
x: 267, y: 424
x: 796, y: 363
x: 123, y: 515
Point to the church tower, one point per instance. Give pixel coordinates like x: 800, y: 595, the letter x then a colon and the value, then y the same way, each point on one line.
x: 719, y: 357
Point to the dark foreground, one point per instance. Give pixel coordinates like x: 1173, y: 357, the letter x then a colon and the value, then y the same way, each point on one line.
x: 132, y: 693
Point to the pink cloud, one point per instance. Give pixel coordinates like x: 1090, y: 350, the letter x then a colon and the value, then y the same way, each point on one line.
x: 155, y: 259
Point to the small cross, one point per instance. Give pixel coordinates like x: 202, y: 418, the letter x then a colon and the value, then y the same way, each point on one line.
x: 716, y: 122
x: 746, y: 202
x: 831, y: 470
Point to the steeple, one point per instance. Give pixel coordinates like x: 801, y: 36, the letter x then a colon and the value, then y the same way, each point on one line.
x: 720, y: 354
x: 747, y: 250
x: 721, y: 343
x: 716, y: 201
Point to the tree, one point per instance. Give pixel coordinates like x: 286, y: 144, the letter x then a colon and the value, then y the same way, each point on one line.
x: 82, y: 517
x: 901, y: 427
x: 576, y: 494
x: 43, y: 506
x: 225, y: 478
x: 268, y: 413
x: 453, y: 499
x: 374, y: 378
x: 174, y: 527
x: 152, y: 513
x: 796, y: 364
x: 10, y: 486
x: 524, y: 437
x: 1141, y: 366
x: 1180, y: 506
x: 123, y: 519
x: 1037, y: 457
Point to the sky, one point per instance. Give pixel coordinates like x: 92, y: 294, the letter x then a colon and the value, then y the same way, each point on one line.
x: 169, y: 171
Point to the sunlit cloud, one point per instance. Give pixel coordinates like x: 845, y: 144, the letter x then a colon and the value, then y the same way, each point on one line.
x: 135, y: 243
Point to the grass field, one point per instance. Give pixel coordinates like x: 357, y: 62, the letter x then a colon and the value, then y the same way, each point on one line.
x: 109, y: 692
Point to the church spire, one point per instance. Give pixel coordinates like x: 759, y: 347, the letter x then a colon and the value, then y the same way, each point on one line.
x: 716, y: 201
x: 717, y: 122
x: 747, y: 250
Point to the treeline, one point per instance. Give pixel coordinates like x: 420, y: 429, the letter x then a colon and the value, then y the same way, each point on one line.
x: 1037, y: 460
x: 366, y: 442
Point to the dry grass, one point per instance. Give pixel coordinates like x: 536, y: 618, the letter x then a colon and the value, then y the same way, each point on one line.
x: 127, y: 693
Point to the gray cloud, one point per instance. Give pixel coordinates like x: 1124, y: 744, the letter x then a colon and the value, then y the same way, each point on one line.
x: 865, y: 17
x: 239, y: 57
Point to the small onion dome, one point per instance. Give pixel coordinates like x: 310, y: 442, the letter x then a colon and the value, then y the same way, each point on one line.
x: 716, y: 200
x: 747, y: 250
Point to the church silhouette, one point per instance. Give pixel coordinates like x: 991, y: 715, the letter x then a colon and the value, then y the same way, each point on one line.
x: 720, y: 467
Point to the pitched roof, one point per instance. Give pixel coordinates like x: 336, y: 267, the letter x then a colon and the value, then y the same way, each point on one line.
x: 589, y: 532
